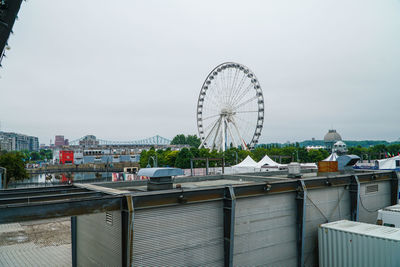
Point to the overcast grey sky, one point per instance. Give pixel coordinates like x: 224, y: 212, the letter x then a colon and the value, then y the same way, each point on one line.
x: 125, y: 70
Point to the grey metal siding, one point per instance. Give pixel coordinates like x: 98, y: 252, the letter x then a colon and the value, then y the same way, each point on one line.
x: 184, y: 235
x: 371, y: 202
x: 99, y: 239
x: 265, y: 231
x: 323, y: 205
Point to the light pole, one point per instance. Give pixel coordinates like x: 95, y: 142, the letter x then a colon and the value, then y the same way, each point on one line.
x: 3, y: 182
x: 236, y: 156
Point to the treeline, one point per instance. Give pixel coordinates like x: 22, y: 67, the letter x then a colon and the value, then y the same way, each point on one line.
x: 232, y: 156
x: 287, y: 152
x: 350, y: 143
x: 376, y: 152
x: 14, y: 163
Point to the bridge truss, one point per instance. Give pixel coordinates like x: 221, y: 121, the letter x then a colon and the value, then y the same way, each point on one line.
x: 156, y: 140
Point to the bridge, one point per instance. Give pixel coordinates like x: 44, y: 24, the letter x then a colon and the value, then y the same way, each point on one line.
x: 156, y: 140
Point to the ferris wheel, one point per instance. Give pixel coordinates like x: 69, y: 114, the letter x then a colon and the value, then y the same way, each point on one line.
x: 230, y: 108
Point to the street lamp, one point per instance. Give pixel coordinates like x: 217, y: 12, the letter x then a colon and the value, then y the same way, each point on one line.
x: 154, y: 161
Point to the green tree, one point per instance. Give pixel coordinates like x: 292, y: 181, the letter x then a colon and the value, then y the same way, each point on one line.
x: 180, y: 139
x: 183, y: 158
x: 35, y: 156
x: 193, y: 141
x: 14, y: 163
x: 317, y: 155
x: 170, y: 158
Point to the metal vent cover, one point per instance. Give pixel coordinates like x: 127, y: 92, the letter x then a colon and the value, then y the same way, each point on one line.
x: 184, y: 235
x: 109, y: 218
x: 369, y: 189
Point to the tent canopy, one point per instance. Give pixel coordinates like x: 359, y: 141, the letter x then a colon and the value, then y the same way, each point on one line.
x: 389, y: 163
x: 247, y: 162
x: 332, y: 157
x: 267, y: 161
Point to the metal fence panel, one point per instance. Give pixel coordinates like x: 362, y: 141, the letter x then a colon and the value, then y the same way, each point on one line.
x: 99, y: 239
x: 184, y: 235
x: 265, y: 231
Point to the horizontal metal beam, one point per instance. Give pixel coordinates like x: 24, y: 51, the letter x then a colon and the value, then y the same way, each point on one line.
x: 38, y: 211
x: 39, y: 192
x: 30, y: 189
x: 58, y: 205
x: 47, y: 198
x: 175, y: 196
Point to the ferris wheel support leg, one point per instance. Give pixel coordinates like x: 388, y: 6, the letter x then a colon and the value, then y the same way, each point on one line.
x: 230, y: 133
x: 212, y: 129
x: 223, y: 145
x: 216, y: 134
x: 241, y: 139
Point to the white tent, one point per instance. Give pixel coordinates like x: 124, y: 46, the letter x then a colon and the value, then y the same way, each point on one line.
x: 268, y: 162
x: 389, y: 163
x: 247, y: 162
x: 332, y: 157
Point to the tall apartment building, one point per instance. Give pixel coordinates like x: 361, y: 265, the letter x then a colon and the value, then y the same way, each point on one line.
x: 18, y: 142
x: 60, y: 141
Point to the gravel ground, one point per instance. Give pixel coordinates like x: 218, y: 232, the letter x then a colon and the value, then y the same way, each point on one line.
x: 36, y: 243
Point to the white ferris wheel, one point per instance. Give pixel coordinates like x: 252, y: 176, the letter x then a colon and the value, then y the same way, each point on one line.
x: 230, y: 108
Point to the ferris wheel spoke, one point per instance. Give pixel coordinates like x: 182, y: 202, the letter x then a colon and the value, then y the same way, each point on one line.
x: 240, y: 85
x: 233, y: 87
x: 209, y: 117
x: 247, y: 111
x: 210, y: 125
x: 233, y: 84
x: 241, y: 94
x: 245, y: 102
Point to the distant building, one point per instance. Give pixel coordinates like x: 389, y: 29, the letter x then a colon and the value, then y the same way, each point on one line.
x: 89, y: 141
x: 308, y: 148
x: 340, y: 148
x: 60, y: 141
x: 17, y: 142
x: 331, y: 138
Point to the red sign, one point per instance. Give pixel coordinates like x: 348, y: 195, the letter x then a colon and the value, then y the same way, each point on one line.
x: 66, y: 157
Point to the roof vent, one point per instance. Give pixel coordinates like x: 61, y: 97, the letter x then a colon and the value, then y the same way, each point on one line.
x: 160, y: 178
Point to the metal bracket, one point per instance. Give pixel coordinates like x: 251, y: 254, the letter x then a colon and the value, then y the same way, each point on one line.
x: 73, y: 241
x: 127, y: 217
x: 395, y: 188
x: 229, y: 225
x: 354, y: 190
x: 301, y: 201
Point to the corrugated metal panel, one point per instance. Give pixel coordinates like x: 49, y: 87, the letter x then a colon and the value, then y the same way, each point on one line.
x: 184, y: 235
x: 265, y: 231
x: 352, y: 244
x: 99, y: 239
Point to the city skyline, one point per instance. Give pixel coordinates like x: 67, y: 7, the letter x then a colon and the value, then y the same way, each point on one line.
x: 320, y: 65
